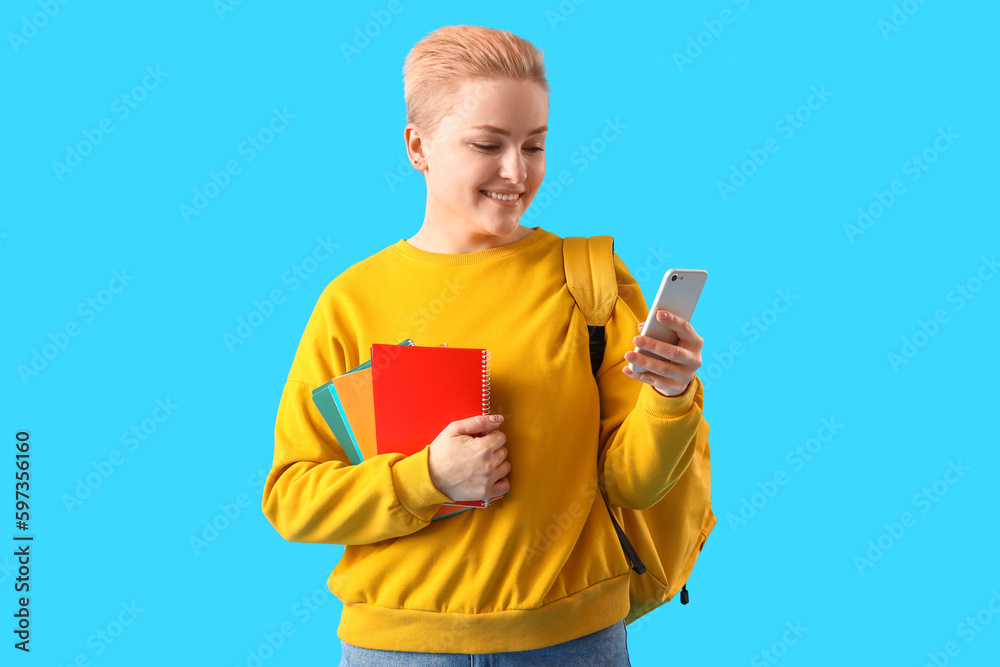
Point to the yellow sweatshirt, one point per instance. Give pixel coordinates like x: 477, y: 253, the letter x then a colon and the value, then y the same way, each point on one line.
x: 543, y: 564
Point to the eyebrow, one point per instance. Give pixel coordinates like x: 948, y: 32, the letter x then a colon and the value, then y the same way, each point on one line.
x: 505, y: 133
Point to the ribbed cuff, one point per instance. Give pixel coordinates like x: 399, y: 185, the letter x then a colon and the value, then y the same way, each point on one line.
x: 659, y: 405
x: 414, y: 488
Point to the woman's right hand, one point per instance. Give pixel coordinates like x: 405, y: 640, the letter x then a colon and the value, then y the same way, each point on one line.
x: 468, y: 459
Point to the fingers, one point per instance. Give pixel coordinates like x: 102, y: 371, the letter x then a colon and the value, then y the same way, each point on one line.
x: 496, y: 440
x: 649, y: 346
x: 687, y: 347
x: 497, y: 479
x: 499, y: 456
x: 501, y: 471
x: 674, y: 363
x: 668, y: 351
x: 500, y: 487
x: 478, y: 424
x: 675, y: 384
x: 654, y: 367
x: 685, y: 332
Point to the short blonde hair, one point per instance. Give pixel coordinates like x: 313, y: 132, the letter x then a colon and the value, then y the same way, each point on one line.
x: 442, y: 61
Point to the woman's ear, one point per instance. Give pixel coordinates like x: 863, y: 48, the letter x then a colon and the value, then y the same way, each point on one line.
x: 414, y: 146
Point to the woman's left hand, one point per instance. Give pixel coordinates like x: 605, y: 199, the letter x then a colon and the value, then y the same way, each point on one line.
x: 670, y: 378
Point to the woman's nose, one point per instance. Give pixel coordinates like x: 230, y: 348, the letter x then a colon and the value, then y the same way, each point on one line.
x: 513, y: 168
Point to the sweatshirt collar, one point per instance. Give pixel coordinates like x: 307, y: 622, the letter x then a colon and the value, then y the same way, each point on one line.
x: 455, y: 259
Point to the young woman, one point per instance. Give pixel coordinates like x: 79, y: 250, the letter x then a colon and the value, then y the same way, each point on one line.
x: 538, y: 577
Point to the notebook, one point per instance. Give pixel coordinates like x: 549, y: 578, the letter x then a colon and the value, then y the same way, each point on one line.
x: 346, y: 404
x: 418, y: 390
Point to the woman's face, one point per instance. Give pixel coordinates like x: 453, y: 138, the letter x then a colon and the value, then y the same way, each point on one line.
x: 493, y: 141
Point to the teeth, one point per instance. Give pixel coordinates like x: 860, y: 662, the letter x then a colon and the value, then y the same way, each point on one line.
x: 502, y: 197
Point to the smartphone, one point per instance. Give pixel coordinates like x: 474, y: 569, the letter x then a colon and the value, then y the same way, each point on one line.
x: 678, y: 294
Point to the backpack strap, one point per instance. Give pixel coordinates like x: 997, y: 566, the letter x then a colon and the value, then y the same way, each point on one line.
x: 590, y: 275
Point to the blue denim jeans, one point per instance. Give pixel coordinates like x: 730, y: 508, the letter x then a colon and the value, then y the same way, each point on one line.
x: 604, y: 648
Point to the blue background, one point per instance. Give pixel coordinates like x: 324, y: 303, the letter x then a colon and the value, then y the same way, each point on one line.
x: 693, y: 106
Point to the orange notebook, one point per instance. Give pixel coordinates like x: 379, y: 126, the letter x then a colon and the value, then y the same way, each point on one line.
x: 354, y: 390
x: 354, y: 393
x: 418, y: 390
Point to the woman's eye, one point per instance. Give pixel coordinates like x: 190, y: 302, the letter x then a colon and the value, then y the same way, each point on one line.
x: 490, y: 147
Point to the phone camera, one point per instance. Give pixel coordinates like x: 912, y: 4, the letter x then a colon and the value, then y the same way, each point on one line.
x: 673, y: 277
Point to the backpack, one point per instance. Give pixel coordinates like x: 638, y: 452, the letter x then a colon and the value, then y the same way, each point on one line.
x: 666, y: 538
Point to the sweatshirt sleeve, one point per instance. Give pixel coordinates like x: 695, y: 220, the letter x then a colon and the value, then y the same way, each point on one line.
x: 312, y: 492
x: 647, y: 439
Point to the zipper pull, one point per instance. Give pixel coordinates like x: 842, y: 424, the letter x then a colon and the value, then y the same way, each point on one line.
x: 684, y: 594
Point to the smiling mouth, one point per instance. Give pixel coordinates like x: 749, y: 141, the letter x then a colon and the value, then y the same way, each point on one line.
x: 507, y: 199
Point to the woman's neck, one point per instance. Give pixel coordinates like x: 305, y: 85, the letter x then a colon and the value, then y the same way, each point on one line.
x: 453, y: 244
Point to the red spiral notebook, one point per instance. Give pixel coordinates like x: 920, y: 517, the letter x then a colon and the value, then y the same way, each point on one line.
x: 418, y: 390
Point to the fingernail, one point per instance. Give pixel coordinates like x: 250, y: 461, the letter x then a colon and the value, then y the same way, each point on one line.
x: 497, y: 418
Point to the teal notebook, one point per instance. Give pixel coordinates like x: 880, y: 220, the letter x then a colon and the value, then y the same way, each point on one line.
x: 333, y: 411
x: 329, y: 405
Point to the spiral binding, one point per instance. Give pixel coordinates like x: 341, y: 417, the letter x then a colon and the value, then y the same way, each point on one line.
x: 486, y: 382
